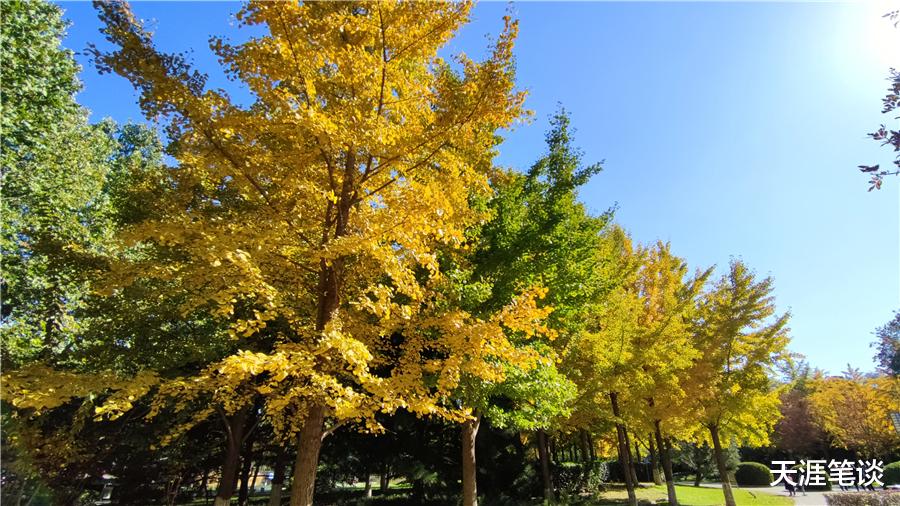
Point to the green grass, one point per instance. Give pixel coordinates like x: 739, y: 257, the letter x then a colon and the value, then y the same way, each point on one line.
x: 693, y: 496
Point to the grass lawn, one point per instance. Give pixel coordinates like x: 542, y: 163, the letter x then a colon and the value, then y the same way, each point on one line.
x: 695, y: 496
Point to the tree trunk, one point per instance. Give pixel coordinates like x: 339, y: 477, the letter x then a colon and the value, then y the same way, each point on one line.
x: 384, y: 480
x: 623, y: 450
x: 310, y: 442
x: 204, y: 485
x: 654, y: 462
x: 21, y: 494
x: 720, y: 463
x: 637, y: 457
x: 34, y: 494
x: 698, y: 478
x: 253, y: 478
x: 304, y: 482
x: 544, y: 455
x: 368, y: 486
x: 234, y: 426
x: 585, y: 446
x: 246, y: 466
x: 278, y: 478
x: 469, y: 471
x: 629, y: 459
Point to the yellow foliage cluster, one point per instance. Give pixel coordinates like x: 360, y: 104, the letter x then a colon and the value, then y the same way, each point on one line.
x: 313, y: 218
x: 855, y: 411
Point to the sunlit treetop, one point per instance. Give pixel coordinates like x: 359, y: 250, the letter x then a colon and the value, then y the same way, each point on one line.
x: 310, y: 218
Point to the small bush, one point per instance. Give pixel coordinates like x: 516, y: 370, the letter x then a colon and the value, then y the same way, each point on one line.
x: 881, y: 498
x: 826, y: 487
x: 892, y: 474
x: 576, y: 477
x: 753, y: 474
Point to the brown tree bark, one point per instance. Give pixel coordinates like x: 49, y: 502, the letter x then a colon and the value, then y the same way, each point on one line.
x: 636, y: 459
x: 544, y: 455
x: 720, y: 463
x: 204, y: 485
x: 654, y: 462
x: 304, y: 482
x: 253, y: 477
x: 622, y: 447
x: 586, y: 454
x: 469, y: 470
x: 278, y: 478
x: 234, y: 428
x: 246, y: 467
x: 368, y: 490
x: 629, y: 458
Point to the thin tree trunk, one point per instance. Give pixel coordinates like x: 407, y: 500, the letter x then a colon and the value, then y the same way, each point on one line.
x: 304, y: 482
x: 34, y: 494
x: 204, y: 485
x: 253, y: 478
x: 623, y: 450
x: 247, y: 463
x: 235, y: 436
x: 585, y: 446
x: 368, y: 486
x: 21, y: 494
x: 544, y: 455
x: 637, y: 455
x: 384, y: 480
x: 590, y: 442
x: 654, y: 462
x: 720, y: 463
x: 278, y: 477
x: 628, y: 457
x: 246, y: 467
x: 469, y: 471
x: 172, y: 489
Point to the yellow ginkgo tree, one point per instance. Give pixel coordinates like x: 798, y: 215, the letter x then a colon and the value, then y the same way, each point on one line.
x: 310, y: 217
x: 741, y: 339
x: 668, y: 298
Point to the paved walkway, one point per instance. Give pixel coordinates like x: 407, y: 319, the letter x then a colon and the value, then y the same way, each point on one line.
x: 812, y: 498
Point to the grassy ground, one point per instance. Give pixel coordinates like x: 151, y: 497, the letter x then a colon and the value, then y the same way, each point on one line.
x: 614, y: 495
x: 693, y: 496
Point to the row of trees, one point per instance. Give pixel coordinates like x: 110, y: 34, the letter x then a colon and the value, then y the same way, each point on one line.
x: 338, y: 256
x: 837, y: 416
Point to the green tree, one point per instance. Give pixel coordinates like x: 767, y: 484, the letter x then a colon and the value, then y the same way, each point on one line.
x: 67, y: 187
x: 540, y: 235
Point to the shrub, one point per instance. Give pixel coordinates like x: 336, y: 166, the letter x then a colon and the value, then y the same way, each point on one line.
x: 753, y: 474
x: 826, y: 487
x: 892, y: 474
x: 576, y: 477
x: 881, y: 498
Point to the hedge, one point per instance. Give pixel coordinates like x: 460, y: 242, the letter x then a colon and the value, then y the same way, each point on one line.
x: 881, y: 498
x: 892, y: 474
x: 753, y: 474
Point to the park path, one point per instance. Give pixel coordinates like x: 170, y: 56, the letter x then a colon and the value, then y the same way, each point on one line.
x: 812, y: 498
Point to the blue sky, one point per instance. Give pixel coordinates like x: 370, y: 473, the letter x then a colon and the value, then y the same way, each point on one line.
x: 729, y: 129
